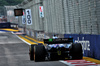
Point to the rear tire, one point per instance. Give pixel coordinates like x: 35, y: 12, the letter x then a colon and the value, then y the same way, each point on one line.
x: 39, y: 53
x: 76, y: 51
x: 31, y: 52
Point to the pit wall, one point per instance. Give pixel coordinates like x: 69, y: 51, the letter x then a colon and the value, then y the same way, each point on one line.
x: 90, y: 44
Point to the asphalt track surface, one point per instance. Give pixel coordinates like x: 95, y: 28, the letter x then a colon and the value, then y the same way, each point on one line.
x: 14, y: 52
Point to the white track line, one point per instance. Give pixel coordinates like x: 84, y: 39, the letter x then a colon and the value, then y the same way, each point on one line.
x: 69, y: 63
x: 21, y: 39
x: 66, y: 63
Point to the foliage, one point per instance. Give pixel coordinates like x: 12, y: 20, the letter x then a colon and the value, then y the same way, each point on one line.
x: 10, y: 2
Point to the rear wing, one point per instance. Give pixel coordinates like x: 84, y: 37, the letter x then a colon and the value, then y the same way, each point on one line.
x: 58, y: 40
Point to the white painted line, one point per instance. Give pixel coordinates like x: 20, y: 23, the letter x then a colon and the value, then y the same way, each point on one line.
x: 2, y: 32
x: 66, y: 63
x: 78, y: 63
x: 21, y: 39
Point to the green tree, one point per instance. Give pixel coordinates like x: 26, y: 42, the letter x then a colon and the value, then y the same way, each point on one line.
x: 3, y: 2
x: 10, y: 2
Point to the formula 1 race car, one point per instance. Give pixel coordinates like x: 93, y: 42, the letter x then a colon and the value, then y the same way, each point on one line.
x: 56, y: 49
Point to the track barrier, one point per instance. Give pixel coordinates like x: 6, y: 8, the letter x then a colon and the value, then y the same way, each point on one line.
x: 90, y: 44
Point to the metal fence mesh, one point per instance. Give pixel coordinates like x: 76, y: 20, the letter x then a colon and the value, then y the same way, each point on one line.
x: 66, y: 16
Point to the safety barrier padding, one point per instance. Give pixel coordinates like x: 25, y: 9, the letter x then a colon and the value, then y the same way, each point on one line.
x: 5, y: 25
x: 90, y: 44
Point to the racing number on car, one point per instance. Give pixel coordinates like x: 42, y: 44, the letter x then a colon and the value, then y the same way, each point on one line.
x: 28, y: 17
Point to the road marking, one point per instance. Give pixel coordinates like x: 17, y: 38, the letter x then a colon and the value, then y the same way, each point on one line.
x: 79, y: 63
x: 92, y: 60
x: 2, y: 32
x: 18, y: 33
x: 24, y: 39
x: 27, y: 40
x: 66, y: 63
x: 21, y: 39
x: 34, y: 40
x: 10, y: 30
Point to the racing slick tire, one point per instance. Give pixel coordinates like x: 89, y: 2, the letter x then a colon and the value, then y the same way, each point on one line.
x: 76, y: 51
x: 31, y: 52
x: 39, y: 53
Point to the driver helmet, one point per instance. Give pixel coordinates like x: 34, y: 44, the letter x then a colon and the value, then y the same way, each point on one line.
x: 55, y: 36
